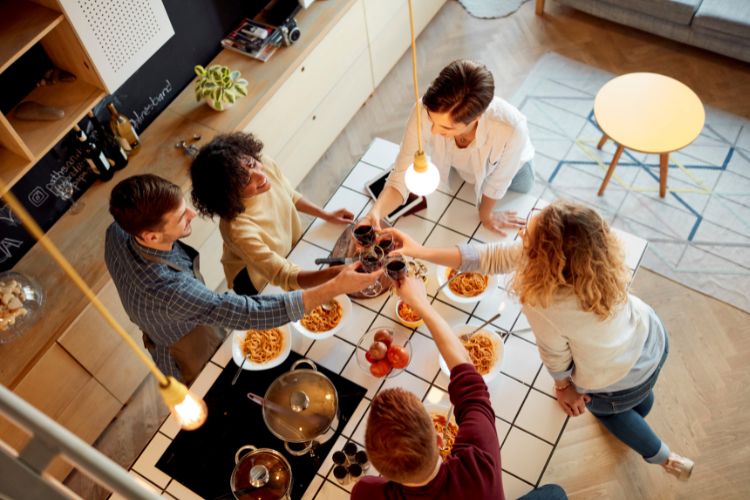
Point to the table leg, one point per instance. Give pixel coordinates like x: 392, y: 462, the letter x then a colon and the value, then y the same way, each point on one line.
x: 663, y: 171
x: 611, y: 170
x: 602, y: 141
x: 539, y: 7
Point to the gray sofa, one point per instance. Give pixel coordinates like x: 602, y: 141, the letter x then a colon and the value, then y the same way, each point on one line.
x: 722, y: 26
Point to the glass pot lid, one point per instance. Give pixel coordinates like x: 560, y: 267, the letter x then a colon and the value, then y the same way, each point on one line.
x: 300, y: 404
x: 261, y: 473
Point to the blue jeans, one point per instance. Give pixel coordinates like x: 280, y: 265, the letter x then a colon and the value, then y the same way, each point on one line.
x: 523, y: 181
x: 623, y: 414
x: 546, y: 492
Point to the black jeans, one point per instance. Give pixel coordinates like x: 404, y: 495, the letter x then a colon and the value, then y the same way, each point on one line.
x: 242, y: 284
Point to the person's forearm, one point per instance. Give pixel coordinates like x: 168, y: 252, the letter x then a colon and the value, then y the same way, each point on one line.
x: 389, y: 200
x: 307, y: 279
x: 320, y: 294
x: 446, y: 256
x: 447, y: 342
x: 486, y: 206
x: 308, y: 207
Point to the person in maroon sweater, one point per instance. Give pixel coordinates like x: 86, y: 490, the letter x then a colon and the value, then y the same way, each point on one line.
x: 401, y: 441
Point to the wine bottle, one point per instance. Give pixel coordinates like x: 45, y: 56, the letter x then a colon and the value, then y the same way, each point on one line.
x: 124, y: 130
x: 110, y: 145
x: 95, y: 157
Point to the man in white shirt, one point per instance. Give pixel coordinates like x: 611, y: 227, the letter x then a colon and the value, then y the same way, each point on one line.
x: 484, y: 138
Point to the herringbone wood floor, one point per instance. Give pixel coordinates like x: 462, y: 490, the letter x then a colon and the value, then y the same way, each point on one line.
x: 705, y: 385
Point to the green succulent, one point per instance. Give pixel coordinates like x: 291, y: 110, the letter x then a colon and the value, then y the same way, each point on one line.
x: 219, y: 85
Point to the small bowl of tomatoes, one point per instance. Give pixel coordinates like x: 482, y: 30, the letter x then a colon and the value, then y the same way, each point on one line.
x: 384, y: 352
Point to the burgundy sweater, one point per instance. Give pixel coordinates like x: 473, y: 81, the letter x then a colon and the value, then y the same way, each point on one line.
x: 472, y: 470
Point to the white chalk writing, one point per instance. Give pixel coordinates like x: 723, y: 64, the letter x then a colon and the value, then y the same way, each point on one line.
x: 153, y: 103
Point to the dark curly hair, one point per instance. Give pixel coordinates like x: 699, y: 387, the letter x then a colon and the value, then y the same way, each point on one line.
x: 218, y: 174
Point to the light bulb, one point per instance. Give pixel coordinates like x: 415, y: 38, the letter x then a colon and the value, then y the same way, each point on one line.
x: 189, y: 411
x: 422, y: 176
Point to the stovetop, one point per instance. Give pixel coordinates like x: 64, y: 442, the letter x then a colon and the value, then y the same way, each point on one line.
x: 203, y: 459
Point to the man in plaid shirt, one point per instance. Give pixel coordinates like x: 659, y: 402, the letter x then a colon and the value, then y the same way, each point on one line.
x: 159, y: 283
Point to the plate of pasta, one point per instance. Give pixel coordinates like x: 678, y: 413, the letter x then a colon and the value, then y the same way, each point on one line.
x: 485, y: 349
x: 264, y: 349
x: 321, y: 323
x: 468, y: 287
x: 438, y: 413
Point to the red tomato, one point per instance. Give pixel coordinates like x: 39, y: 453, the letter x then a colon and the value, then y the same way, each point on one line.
x: 378, y: 350
x: 368, y: 357
x: 380, y: 368
x: 384, y: 335
x: 398, y: 356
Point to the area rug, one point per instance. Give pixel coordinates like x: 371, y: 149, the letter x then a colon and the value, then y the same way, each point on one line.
x: 699, y: 234
x: 491, y: 9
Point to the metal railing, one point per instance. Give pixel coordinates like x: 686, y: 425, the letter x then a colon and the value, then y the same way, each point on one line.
x: 22, y: 473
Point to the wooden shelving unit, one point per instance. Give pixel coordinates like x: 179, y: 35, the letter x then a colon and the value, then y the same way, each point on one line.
x: 24, y: 23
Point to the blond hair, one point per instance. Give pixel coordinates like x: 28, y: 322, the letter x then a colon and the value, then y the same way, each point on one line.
x: 570, y: 247
x: 400, y: 438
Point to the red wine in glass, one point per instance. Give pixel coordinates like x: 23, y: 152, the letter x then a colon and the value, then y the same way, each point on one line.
x: 364, y: 234
x: 396, y: 268
x: 385, y: 243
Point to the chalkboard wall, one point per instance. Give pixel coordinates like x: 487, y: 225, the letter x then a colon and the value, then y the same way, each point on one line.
x: 199, y: 26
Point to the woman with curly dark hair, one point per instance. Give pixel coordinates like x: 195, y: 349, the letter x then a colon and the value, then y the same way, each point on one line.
x: 259, y: 213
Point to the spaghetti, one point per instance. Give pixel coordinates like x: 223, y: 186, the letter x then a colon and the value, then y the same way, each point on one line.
x: 261, y: 346
x: 482, y: 351
x: 468, y: 284
x: 407, y: 313
x: 319, y: 320
x: 450, y: 435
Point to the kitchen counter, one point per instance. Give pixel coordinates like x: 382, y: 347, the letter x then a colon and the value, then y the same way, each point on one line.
x: 529, y: 421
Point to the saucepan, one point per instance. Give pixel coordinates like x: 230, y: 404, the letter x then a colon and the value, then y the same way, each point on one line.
x: 300, y: 408
x: 260, y: 474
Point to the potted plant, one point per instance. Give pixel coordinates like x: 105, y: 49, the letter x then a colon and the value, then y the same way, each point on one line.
x: 219, y: 86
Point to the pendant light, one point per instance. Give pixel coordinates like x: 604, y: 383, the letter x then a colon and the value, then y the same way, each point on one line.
x: 189, y: 410
x: 422, y: 176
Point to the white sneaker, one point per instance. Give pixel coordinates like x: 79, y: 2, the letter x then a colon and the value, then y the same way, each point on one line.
x: 678, y: 466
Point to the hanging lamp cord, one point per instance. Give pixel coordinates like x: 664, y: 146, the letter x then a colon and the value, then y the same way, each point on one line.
x: 30, y: 224
x: 414, y: 74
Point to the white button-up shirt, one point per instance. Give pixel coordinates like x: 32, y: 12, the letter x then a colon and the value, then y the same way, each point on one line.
x: 490, y: 162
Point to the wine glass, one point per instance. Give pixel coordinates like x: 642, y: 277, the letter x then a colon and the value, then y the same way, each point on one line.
x: 395, y: 267
x: 66, y: 190
x: 372, y: 259
x: 385, y: 241
x: 364, y: 234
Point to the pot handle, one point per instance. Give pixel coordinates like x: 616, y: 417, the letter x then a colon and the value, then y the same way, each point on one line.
x: 298, y: 453
x: 239, y: 454
x: 302, y: 362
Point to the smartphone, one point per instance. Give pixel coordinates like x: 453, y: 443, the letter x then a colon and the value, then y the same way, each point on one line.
x: 375, y: 187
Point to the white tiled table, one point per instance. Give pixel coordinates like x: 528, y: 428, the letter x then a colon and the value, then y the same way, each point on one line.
x: 529, y: 421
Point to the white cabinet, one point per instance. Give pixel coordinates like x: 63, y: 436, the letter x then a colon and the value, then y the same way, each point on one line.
x: 303, y: 117
x: 388, y: 30
x: 302, y: 93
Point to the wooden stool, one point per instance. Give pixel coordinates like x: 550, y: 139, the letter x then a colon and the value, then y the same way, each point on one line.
x: 648, y: 113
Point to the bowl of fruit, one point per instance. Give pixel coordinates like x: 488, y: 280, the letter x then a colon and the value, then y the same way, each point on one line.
x: 384, y: 352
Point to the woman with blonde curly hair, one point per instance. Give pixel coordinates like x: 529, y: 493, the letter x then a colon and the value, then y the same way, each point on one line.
x: 603, y: 346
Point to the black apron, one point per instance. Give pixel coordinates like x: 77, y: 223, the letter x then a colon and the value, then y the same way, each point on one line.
x: 195, y: 348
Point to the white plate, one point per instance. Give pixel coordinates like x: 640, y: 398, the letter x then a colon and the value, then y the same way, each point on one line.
x: 239, y: 335
x: 442, y: 277
x: 499, y: 351
x: 346, y: 306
